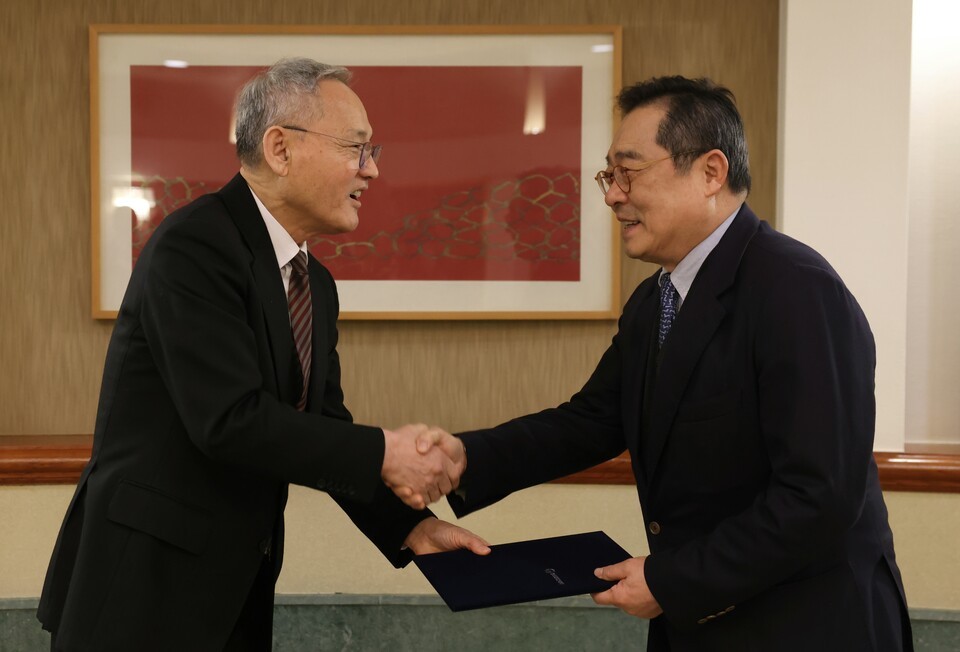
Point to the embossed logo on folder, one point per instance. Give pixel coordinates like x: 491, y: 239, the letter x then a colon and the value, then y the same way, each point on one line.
x: 552, y: 573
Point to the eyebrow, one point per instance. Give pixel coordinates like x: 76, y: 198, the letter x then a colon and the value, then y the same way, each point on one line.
x: 362, y: 135
x: 629, y: 154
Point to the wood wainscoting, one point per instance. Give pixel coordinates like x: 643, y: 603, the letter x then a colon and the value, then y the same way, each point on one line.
x: 59, y: 459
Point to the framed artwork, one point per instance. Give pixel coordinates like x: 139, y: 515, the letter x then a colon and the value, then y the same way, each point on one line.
x: 485, y: 207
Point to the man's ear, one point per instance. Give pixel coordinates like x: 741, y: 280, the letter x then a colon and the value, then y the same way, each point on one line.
x: 276, y: 151
x: 715, y: 170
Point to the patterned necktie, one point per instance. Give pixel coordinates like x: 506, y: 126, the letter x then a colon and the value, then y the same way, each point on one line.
x: 301, y: 319
x: 668, y: 306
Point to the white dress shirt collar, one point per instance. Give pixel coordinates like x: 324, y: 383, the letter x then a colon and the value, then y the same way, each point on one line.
x: 284, y: 246
x: 686, y: 271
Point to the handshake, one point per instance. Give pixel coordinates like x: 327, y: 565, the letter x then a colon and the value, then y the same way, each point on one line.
x: 421, y: 464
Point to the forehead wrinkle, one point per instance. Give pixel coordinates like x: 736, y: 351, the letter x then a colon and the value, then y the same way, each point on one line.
x: 356, y: 135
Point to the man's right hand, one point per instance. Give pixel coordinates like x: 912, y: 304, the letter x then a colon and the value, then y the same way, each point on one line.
x: 420, y: 477
x: 451, y: 446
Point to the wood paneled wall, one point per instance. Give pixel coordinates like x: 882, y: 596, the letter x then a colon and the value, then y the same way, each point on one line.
x: 457, y: 374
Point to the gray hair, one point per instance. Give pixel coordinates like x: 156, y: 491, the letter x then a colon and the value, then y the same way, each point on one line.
x: 284, y: 92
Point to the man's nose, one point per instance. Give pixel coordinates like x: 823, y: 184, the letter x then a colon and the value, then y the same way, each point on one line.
x: 370, y: 169
x: 614, y: 195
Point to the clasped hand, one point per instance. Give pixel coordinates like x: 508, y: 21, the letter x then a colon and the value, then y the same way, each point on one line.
x: 421, y: 464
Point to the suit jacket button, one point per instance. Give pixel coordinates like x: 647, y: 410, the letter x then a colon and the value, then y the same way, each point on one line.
x: 654, y: 527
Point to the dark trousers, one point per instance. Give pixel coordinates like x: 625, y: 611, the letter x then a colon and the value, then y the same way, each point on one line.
x: 253, y: 631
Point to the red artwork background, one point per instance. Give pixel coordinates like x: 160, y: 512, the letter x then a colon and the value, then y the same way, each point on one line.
x: 463, y: 194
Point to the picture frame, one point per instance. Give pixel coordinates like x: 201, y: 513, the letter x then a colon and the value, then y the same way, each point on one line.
x: 485, y: 206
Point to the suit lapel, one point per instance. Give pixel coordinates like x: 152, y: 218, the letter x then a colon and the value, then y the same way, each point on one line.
x: 637, y: 382
x: 319, y: 298
x: 700, y: 315
x: 266, y: 272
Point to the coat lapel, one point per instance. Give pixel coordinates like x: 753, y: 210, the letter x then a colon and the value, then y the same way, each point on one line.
x: 266, y: 272
x: 641, y: 326
x: 700, y: 315
x: 319, y: 298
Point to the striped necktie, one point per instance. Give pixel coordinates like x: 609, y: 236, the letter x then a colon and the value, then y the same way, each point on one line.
x: 301, y: 319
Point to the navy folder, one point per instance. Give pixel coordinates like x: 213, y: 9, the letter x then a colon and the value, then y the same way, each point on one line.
x: 521, y: 572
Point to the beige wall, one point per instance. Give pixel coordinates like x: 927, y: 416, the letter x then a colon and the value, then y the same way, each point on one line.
x: 839, y: 91
x: 460, y: 375
x: 325, y: 554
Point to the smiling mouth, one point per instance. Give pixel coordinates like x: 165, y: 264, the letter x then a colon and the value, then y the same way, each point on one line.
x: 627, y: 225
x: 356, y: 195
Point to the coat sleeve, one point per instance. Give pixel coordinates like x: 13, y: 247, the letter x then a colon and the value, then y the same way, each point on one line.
x: 537, y: 448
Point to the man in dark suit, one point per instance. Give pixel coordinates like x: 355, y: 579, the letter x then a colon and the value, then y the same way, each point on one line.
x: 222, y: 385
x: 741, y: 380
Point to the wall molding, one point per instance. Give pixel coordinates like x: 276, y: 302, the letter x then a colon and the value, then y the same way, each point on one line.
x: 43, y: 459
x: 929, y: 472
x: 59, y: 459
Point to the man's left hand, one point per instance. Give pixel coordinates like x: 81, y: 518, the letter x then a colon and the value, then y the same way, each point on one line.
x: 630, y: 592
x: 434, y: 535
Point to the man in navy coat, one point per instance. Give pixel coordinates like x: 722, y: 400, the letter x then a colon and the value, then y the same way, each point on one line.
x: 741, y: 380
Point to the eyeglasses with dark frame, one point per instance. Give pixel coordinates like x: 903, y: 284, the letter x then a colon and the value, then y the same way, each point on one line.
x: 605, y: 179
x: 367, y: 150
